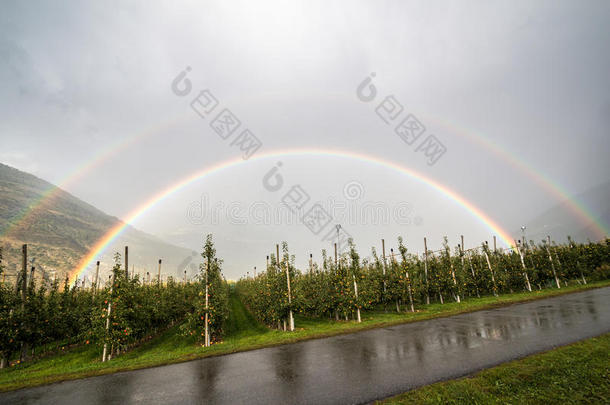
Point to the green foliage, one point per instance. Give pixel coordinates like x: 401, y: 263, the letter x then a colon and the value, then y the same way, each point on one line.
x: 217, y: 305
x: 47, y: 316
x: 52, y: 318
x: 327, y: 290
x: 127, y: 311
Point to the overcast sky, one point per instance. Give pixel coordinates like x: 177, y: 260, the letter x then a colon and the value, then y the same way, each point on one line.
x: 530, y: 77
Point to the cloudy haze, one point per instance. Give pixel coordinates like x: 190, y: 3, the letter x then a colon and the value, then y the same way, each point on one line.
x: 529, y: 78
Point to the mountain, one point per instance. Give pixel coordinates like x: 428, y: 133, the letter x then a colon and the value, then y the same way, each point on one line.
x: 60, y: 229
x: 560, y: 221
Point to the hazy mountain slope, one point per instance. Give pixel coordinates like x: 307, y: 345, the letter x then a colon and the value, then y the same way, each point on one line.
x: 560, y: 221
x: 61, y: 230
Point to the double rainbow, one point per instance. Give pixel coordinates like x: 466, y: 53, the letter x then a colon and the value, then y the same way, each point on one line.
x: 113, y: 233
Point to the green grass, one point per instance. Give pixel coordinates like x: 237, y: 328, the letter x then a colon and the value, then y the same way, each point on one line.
x: 243, y: 333
x: 574, y: 374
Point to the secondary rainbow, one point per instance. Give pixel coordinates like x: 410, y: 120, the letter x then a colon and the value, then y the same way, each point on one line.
x: 77, y: 174
x: 554, y: 188
x: 562, y: 195
x: 113, y: 233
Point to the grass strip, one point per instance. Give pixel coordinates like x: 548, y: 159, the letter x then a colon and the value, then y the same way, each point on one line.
x: 575, y: 374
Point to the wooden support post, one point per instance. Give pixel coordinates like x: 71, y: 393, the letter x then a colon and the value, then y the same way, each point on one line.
x: 579, y: 267
x: 461, y: 248
x: 336, y: 262
x: 548, y: 249
x: 403, y: 255
x: 426, y: 270
x: 24, y: 287
x: 108, y: 312
x: 126, y: 262
x: 290, y: 315
x: 493, y: 279
x: 474, y: 279
x: 527, y: 279
x: 207, y: 303
x: 457, y: 292
x: 159, y: 273
x: 409, y: 288
x: 392, y: 263
x: 32, y: 270
x: 24, y: 273
x: 97, y: 275
x: 384, y: 262
x: 356, y: 294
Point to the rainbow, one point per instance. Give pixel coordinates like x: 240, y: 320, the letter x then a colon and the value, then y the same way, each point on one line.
x: 552, y: 187
x: 77, y: 174
x: 138, y: 212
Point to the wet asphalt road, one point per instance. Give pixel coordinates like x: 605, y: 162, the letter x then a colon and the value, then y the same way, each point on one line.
x: 355, y: 368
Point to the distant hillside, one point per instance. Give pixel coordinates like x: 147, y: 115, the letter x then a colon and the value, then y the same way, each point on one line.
x: 560, y: 221
x: 62, y: 229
